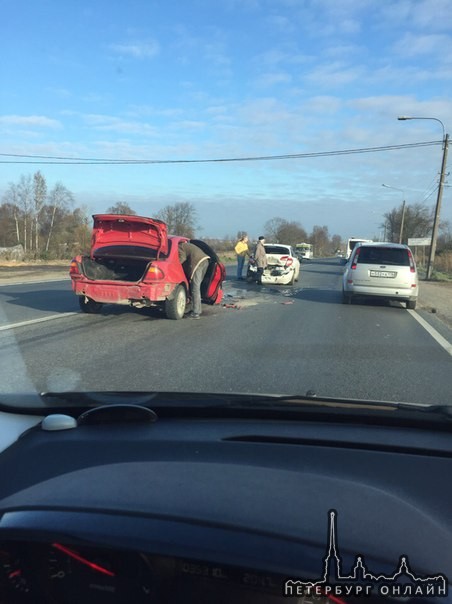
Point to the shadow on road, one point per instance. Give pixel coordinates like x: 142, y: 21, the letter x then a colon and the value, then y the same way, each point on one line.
x: 42, y: 299
x: 337, y: 272
x: 62, y: 301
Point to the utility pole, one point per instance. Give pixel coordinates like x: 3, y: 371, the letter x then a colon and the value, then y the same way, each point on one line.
x: 431, y: 257
x: 442, y: 176
x: 402, y: 219
x: 401, y: 222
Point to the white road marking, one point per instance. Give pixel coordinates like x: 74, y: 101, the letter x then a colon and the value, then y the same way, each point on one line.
x: 14, y: 283
x: 40, y: 320
x: 432, y: 331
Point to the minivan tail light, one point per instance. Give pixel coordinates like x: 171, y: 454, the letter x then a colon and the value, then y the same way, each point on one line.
x: 412, y: 265
x: 155, y: 274
x: 355, y: 259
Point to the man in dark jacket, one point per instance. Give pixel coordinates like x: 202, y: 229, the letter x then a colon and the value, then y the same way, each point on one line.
x: 195, y: 263
x: 261, y: 259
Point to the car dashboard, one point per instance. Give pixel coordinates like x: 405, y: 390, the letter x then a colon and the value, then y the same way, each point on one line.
x: 213, y: 509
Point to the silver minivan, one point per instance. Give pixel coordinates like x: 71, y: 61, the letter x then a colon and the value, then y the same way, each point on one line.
x: 381, y: 270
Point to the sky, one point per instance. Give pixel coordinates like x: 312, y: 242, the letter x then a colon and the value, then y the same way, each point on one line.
x: 171, y: 84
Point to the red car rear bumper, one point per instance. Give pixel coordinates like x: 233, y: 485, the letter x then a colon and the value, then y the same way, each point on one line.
x: 122, y: 293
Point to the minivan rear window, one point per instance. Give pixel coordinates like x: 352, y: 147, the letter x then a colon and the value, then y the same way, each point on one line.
x: 384, y: 255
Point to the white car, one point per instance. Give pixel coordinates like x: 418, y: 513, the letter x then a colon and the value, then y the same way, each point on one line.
x: 283, y: 265
x: 381, y: 270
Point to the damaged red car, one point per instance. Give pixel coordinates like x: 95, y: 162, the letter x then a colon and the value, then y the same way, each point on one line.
x: 133, y: 261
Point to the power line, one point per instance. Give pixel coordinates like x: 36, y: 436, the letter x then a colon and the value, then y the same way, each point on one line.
x: 428, y: 195
x: 52, y: 159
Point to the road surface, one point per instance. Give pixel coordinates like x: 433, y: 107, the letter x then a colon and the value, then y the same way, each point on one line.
x: 282, y: 340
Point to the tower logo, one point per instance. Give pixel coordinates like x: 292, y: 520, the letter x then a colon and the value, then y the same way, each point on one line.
x: 361, y: 581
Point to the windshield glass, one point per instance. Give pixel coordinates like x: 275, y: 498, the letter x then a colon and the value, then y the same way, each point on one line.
x: 252, y: 127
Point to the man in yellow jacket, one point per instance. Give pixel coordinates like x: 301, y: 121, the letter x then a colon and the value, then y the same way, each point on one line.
x: 242, y: 251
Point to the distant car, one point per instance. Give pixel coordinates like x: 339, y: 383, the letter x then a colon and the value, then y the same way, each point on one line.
x: 283, y: 265
x: 381, y: 270
x: 134, y: 262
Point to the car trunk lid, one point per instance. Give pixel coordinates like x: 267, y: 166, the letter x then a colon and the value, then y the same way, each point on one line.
x: 278, y: 256
x: 383, y: 267
x: 133, y: 232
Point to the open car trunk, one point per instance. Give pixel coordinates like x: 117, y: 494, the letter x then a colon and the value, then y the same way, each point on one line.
x: 121, y: 267
x: 123, y: 246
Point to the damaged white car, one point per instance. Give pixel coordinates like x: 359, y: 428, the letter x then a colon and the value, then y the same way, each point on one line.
x: 283, y: 265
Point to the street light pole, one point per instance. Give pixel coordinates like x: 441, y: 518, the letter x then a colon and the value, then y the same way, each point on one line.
x: 431, y: 257
x: 402, y: 220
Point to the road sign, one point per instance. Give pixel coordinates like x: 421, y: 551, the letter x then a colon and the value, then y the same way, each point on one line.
x: 419, y: 241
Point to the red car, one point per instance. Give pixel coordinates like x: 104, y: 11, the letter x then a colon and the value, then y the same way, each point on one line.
x: 135, y: 262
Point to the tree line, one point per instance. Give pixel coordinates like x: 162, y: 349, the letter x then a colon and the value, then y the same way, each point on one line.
x: 414, y: 220
x: 42, y: 220
x: 47, y: 225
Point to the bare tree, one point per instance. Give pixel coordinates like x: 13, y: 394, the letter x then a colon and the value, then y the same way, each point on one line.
x: 271, y: 228
x: 59, y: 198
x: 39, y: 198
x: 279, y: 230
x: 292, y: 233
x: 24, y: 201
x: 11, y: 211
x: 121, y: 208
x: 180, y: 219
x: 320, y: 240
x: 418, y: 222
x: 336, y: 243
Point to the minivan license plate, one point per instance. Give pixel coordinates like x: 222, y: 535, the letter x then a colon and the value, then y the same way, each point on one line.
x: 388, y: 274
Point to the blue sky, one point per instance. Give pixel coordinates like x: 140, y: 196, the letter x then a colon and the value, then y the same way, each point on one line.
x: 201, y: 79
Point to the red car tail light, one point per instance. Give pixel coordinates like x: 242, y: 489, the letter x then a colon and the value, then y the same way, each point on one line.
x: 288, y: 260
x: 74, y: 269
x: 155, y: 274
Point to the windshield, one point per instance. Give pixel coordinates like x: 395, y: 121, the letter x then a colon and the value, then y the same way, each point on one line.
x: 218, y: 132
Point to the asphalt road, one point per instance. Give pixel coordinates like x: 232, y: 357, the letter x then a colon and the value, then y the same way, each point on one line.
x: 283, y: 340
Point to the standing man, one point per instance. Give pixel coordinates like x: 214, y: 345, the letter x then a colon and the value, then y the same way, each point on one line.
x: 195, y: 263
x: 261, y: 259
x: 241, y: 249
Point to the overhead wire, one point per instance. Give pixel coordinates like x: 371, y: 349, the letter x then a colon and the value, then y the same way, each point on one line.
x: 55, y: 159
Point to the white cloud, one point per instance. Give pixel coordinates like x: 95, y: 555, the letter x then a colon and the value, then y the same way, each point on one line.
x: 324, y: 104
x: 107, y: 123
x: 39, y: 121
x: 139, y: 49
x: 416, y: 45
x: 271, y: 79
x: 62, y: 93
x: 281, y: 23
x: 423, y: 14
x: 188, y: 125
x: 334, y: 74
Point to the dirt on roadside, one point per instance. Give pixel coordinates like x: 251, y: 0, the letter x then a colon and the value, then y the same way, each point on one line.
x: 14, y: 272
x: 436, y: 297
